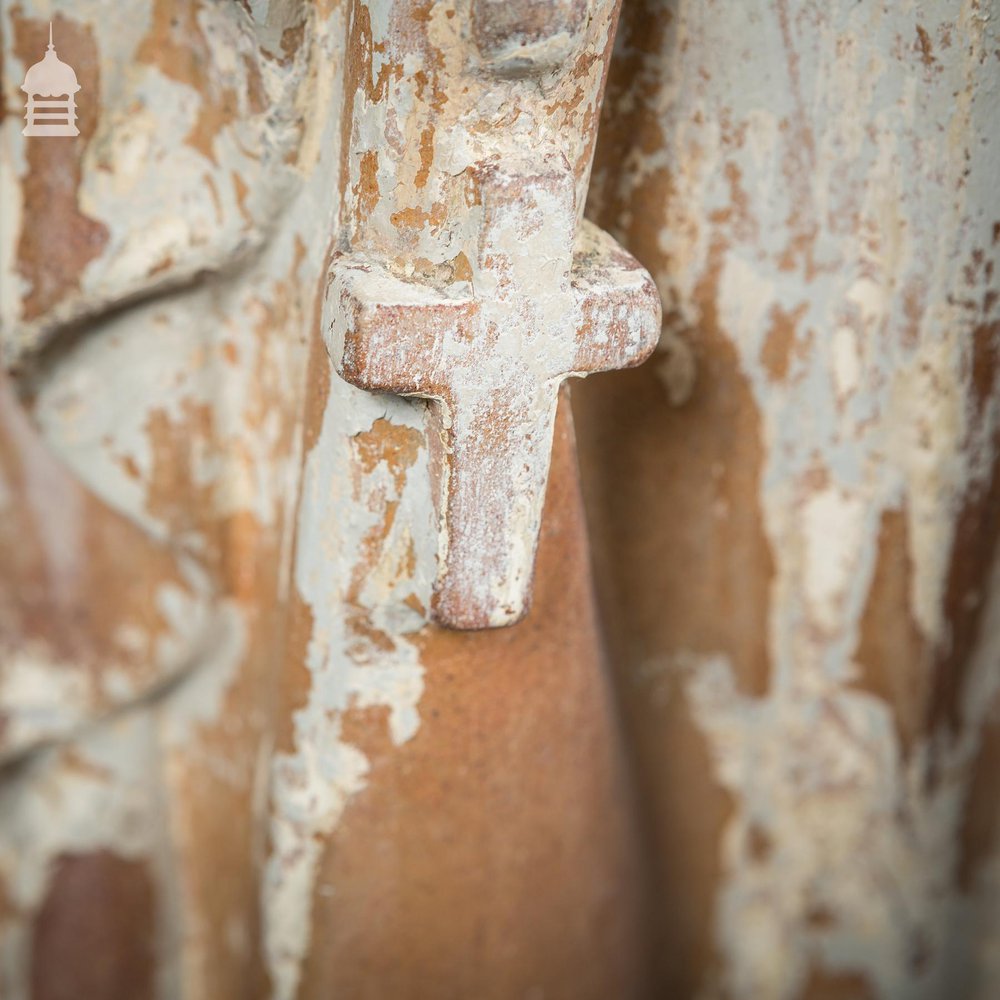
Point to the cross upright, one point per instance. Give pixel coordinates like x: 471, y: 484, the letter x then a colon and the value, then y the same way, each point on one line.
x: 548, y: 299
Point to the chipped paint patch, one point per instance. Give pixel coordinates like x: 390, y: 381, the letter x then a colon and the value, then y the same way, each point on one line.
x: 832, y: 524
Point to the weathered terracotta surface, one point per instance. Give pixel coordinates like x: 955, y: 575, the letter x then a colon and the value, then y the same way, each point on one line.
x: 180, y: 413
x: 79, y: 636
x: 454, y: 868
x: 205, y: 408
x: 93, y: 958
x: 791, y: 508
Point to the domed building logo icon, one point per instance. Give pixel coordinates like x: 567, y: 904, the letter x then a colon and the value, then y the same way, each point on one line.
x: 50, y: 78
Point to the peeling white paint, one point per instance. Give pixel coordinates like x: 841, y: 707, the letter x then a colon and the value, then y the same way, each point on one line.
x: 311, y: 785
x: 820, y: 163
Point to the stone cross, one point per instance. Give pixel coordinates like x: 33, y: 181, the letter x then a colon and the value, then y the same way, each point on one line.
x: 545, y: 299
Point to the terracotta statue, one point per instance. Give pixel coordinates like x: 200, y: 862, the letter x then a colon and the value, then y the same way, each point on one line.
x: 354, y: 645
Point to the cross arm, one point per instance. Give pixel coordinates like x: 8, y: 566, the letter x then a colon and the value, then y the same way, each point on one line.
x: 388, y: 334
x: 619, y: 305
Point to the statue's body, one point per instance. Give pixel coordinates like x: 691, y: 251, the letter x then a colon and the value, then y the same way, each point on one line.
x: 743, y: 744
